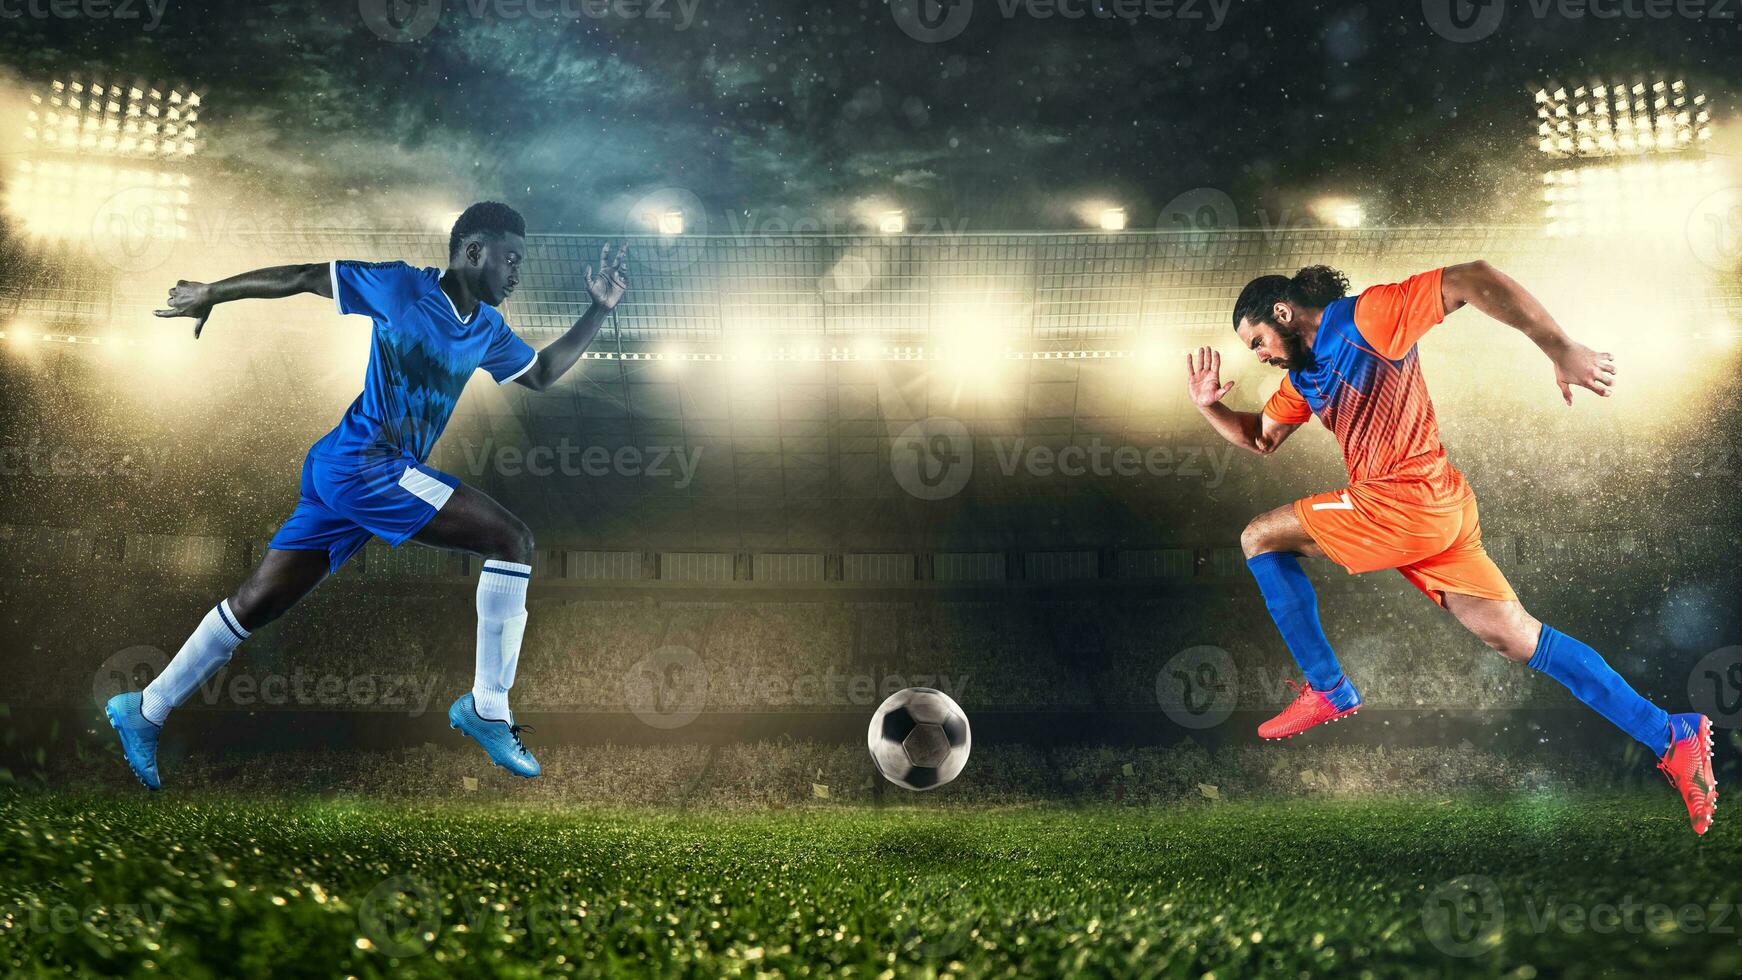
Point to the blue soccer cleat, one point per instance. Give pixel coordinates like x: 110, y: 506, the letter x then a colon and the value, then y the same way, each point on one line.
x: 498, y: 738
x: 138, y: 736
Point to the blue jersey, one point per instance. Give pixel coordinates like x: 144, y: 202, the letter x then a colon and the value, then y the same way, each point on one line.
x: 420, y: 357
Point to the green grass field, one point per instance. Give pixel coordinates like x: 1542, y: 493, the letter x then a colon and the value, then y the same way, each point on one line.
x: 190, y: 887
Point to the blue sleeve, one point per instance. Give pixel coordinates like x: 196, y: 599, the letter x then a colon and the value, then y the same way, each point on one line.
x: 374, y: 289
x: 509, y: 357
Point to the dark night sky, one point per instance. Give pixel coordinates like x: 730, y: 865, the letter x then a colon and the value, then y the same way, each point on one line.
x: 796, y: 110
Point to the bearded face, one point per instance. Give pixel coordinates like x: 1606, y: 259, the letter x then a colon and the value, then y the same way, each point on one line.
x: 1277, y: 344
x: 1297, y: 356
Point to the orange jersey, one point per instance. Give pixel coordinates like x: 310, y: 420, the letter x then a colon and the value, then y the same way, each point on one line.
x: 1366, y: 385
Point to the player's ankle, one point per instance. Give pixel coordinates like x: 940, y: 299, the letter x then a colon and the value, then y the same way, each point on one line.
x: 1342, y: 694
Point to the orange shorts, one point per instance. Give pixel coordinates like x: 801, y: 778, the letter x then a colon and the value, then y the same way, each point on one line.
x: 1435, y: 543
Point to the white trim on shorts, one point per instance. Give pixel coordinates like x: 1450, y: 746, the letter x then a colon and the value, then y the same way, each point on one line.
x: 425, y: 487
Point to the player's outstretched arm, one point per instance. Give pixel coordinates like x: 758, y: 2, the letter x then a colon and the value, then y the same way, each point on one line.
x: 196, y: 299
x: 606, y: 287
x: 1500, y: 296
x: 1253, y: 431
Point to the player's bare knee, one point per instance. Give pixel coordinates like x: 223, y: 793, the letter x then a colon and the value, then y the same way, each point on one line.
x: 1513, y: 637
x: 1509, y: 645
x: 254, y: 606
x: 1255, y: 540
x: 515, y: 543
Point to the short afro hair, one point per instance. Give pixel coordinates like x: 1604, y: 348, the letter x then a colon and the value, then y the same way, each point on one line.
x: 489, y: 220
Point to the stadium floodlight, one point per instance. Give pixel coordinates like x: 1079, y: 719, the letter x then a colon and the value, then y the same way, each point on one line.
x: 670, y: 222
x: 1339, y: 212
x: 96, y: 119
x: 1621, y: 119
x: 96, y: 159
x: 1113, y: 219
x: 60, y: 198
x: 892, y: 222
x: 1632, y: 198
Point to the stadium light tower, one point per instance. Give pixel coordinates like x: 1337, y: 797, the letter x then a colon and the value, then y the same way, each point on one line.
x: 1112, y: 219
x: 103, y: 154
x: 1628, y: 154
x: 892, y: 222
x: 670, y: 222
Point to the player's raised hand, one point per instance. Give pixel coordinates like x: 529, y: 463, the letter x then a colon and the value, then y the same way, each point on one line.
x: 1577, y: 364
x: 608, y: 284
x: 1204, y: 377
x: 190, y: 299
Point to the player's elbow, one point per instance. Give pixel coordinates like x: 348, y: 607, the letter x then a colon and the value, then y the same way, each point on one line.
x: 315, y: 277
x: 1467, y: 278
x: 1264, y: 445
x: 535, y: 377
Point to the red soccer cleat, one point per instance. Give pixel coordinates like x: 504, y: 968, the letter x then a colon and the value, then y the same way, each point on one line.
x: 1688, y: 764
x: 1309, y: 708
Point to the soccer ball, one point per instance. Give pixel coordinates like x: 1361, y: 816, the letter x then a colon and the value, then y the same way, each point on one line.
x: 919, y: 738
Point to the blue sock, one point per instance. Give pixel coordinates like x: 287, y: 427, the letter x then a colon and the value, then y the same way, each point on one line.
x: 1684, y: 726
x: 1594, y: 682
x: 1293, y: 604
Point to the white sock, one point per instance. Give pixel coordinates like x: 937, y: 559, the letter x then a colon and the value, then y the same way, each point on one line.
x: 204, y: 654
x: 501, y: 624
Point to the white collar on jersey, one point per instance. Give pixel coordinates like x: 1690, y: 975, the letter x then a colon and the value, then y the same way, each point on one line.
x: 456, y: 309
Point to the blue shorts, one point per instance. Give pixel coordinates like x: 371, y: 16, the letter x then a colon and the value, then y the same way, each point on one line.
x: 348, y: 500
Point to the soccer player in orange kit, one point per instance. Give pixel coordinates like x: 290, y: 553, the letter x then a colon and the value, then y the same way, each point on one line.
x: 1352, y: 361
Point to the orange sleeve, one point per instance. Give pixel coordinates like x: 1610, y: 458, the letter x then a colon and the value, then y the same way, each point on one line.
x: 1394, y: 317
x: 1287, y: 406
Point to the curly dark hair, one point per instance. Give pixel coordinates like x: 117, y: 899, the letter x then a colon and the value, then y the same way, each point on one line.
x: 489, y: 220
x: 1314, y: 287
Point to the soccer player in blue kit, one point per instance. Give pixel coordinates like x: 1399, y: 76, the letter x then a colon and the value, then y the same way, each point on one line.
x: 367, y: 478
